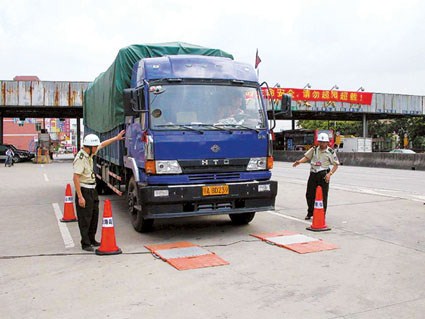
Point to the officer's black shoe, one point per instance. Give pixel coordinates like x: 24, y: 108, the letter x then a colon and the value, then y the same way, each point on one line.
x: 87, y: 248
x: 95, y: 243
x: 307, y: 217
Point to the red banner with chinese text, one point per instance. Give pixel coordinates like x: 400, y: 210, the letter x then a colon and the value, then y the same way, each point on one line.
x: 364, y: 98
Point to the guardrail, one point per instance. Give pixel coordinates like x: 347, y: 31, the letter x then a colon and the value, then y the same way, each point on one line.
x: 376, y: 159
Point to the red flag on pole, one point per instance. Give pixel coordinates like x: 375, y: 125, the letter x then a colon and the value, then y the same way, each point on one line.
x: 257, y: 59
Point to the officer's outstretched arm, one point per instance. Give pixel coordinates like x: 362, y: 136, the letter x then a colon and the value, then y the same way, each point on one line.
x: 298, y: 162
x: 119, y: 137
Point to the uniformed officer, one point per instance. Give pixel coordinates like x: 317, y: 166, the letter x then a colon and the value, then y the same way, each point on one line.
x: 321, y: 158
x: 86, y: 198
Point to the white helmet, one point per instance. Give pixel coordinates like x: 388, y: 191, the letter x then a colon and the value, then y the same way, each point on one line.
x: 91, y: 140
x: 323, y: 137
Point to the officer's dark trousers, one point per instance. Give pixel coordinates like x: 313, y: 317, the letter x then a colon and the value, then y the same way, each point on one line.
x: 314, y: 180
x: 88, y: 216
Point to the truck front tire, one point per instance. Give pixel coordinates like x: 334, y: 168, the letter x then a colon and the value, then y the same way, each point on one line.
x: 241, y: 219
x: 139, y: 223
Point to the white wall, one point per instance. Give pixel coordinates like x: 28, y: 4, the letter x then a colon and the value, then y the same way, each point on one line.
x: 283, y: 125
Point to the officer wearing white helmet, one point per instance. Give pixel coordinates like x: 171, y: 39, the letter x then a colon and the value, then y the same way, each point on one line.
x: 87, y: 199
x: 321, y: 158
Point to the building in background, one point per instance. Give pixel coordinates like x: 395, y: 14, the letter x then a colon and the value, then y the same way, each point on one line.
x: 24, y: 133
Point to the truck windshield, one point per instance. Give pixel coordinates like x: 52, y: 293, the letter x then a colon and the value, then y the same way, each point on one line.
x: 205, y: 107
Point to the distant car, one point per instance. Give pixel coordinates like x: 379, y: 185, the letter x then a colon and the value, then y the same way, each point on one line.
x: 20, y: 155
x: 403, y: 151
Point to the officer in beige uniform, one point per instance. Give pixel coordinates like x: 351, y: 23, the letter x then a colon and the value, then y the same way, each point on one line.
x: 321, y: 158
x: 87, y: 199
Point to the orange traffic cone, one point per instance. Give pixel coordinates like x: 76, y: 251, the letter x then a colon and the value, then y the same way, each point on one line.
x: 108, y: 245
x: 319, y: 223
x: 68, y: 206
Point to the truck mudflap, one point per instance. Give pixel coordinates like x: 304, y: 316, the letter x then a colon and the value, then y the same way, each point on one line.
x: 207, y: 199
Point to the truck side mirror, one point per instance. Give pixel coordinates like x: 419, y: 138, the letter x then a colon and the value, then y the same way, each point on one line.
x: 131, y: 102
x: 285, y: 103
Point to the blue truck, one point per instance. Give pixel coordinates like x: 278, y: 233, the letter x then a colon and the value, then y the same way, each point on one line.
x: 198, y: 140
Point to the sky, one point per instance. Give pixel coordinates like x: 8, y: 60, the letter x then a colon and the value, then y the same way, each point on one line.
x: 377, y: 45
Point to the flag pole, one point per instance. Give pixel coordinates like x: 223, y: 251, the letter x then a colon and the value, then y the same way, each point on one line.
x: 257, y: 62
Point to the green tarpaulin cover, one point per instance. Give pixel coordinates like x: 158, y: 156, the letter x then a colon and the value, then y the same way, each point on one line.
x: 103, y: 99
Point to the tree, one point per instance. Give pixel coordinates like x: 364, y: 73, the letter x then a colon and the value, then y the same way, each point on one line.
x: 415, y: 128
x: 344, y: 127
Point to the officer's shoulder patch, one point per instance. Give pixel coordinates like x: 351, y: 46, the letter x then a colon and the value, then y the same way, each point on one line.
x: 79, y: 155
x: 331, y: 150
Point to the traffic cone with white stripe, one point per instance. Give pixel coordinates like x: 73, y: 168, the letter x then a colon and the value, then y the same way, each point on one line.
x: 68, y: 206
x: 108, y: 245
x: 319, y: 223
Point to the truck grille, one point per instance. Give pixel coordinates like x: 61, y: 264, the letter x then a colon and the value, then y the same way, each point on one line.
x: 213, y: 167
x: 217, y: 177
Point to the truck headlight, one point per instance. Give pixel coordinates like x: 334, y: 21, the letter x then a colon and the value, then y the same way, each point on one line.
x: 256, y: 164
x: 168, y: 167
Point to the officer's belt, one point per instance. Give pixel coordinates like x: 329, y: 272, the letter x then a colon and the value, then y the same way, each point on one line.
x: 323, y: 170
x: 90, y: 185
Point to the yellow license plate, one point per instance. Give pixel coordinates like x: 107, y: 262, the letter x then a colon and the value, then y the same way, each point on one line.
x: 215, y: 190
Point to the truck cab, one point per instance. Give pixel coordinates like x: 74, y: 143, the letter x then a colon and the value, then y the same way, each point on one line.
x: 197, y: 140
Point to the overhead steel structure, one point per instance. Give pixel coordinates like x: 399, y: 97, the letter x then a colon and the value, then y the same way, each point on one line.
x: 310, y: 104
x: 42, y: 99
x: 64, y: 99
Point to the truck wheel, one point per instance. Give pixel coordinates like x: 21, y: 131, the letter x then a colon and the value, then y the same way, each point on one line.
x: 242, y: 219
x: 139, y: 223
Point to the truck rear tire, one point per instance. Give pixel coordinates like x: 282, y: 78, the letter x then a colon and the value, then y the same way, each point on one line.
x: 140, y: 224
x: 242, y: 219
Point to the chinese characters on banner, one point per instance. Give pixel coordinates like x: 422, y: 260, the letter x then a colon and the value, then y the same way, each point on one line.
x: 364, y: 98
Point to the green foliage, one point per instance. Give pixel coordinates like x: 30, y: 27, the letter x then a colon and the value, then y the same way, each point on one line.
x: 344, y: 127
x: 419, y: 142
x: 312, y: 125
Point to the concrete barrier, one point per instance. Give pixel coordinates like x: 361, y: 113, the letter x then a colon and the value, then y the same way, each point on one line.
x: 384, y: 160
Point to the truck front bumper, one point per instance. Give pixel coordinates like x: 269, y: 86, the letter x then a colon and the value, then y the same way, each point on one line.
x: 188, y: 200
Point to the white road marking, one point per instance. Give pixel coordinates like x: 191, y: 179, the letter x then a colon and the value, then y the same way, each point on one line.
x: 45, y: 177
x: 66, y: 236
x: 392, y: 193
x: 288, y: 217
x: 381, y: 192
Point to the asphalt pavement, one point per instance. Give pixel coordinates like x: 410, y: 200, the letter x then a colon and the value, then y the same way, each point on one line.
x: 377, y: 218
